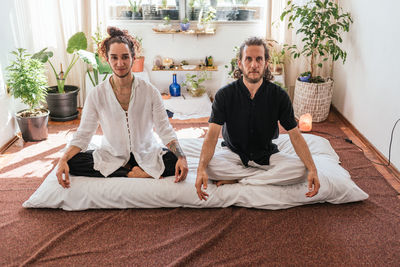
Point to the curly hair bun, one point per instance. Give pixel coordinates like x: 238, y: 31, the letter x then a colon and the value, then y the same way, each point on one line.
x: 114, y: 31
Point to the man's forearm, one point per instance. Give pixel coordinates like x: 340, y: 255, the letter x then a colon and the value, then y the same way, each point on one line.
x: 302, y: 150
x: 207, y: 152
x: 176, y: 149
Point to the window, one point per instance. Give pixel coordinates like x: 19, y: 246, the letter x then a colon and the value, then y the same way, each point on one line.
x: 216, y: 10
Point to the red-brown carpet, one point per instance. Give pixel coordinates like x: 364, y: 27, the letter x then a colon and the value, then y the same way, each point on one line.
x: 355, y: 234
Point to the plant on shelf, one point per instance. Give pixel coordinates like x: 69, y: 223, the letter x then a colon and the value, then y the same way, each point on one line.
x: 138, y: 63
x: 62, y: 99
x: 193, y: 83
x: 27, y: 81
x: 243, y: 12
x: 164, y: 4
x: 136, y: 8
x: 320, y: 23
x: 233, y: 64
x: 205, y: 22
x: 185, y: 24
x: 277, y: 56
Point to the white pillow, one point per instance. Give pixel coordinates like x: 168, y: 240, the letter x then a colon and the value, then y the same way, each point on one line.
x: 93, y: 193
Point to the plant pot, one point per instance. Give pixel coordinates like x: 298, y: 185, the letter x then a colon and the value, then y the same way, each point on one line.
x: 137, y: 16
x: 138, y: 64
x: 245, y: 14
x: 197, y: 92
x: 126, y: 14
x: 184, y: 26
x: 305, y: 78
x: 313, y: 98
x: 63, y: 107
x: 276, y: 69
x: 33, y: 128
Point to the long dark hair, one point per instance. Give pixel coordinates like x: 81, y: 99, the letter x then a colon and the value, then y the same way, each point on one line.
x: 116, y: 36
x: 237, y: 73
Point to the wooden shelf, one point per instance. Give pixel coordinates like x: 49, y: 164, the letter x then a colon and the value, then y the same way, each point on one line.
x: 189, y: 32
x: 214, y: 68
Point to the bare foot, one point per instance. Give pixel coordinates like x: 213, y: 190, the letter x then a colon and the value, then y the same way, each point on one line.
x: 222, y: 182
x: 138, y: 172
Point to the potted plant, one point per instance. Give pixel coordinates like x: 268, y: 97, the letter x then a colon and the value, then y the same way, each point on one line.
x: 136, y: 8
x: 320, y: 24
x: 277, y: 57
x: 205, y: 23
x: 138, y: 62
x: 243, y: 12
x: 97, y: 65
x: 193, y: 83
x: 233, y: 63
x: 27, y: 81
x: 185, y: 24
x: 62, y: 99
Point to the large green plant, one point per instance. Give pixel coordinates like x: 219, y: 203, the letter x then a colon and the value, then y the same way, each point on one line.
x: 26, y: 79
x: 77, y: 42
x: 94, y: 61
x: 321, y: 22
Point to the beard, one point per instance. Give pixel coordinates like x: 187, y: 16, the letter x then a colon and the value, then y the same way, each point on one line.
x: 122, y: 76
x: 252, y: 80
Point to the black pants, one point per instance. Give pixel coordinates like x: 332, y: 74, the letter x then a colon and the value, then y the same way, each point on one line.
x: 82, y: 165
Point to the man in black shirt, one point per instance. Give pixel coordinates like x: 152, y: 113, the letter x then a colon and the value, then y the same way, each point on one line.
x: 248, y: 111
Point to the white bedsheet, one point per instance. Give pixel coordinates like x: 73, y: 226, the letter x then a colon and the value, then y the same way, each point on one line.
x: 92, y: 193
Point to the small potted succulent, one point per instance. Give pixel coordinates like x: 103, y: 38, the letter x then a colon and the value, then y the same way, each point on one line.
x: 27, y: 81
x: 185, y: 24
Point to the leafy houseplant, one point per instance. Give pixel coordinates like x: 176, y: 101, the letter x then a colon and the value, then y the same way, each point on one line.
x: 27, y: 81
x: 98, y: 66
x: 320, y: 24
x: 62, y: 99
x: 243, y: 12
x: 233, y: 64
x: 277, y: 56
x: 193, y: 83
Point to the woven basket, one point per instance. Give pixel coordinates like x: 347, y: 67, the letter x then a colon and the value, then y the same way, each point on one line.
x: 313, y: 98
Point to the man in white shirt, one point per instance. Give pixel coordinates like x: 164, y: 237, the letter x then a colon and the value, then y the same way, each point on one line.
x: 127, y: 108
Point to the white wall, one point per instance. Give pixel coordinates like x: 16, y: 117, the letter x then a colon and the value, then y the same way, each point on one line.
x: 8, y: 125
x: 192, y: 48
x: 367, y: 89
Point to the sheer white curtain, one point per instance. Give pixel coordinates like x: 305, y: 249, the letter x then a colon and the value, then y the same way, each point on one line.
x: 49, y: 23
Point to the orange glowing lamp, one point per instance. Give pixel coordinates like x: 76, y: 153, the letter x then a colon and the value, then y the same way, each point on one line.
x: 305, y: 122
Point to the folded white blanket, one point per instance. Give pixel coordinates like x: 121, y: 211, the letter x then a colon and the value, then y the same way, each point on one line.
x: 93, y: 193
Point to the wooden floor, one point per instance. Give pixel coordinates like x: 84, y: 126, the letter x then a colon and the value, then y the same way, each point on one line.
x: 390, y: 173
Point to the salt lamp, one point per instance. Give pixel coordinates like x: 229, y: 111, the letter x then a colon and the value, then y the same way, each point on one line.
x: 305, y: 122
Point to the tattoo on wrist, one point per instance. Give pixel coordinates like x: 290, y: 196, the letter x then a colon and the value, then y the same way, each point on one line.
x: 176, y: 149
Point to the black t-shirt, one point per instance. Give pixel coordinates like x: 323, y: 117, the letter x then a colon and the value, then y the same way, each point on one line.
x: 249, y: 125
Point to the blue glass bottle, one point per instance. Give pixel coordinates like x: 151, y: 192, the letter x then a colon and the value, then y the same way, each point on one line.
x: 174, y: 88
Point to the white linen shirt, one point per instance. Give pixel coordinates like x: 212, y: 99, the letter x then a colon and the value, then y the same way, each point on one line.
x: 123, y: 133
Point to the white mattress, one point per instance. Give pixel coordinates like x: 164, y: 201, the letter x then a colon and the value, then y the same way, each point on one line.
x: 106, y: 193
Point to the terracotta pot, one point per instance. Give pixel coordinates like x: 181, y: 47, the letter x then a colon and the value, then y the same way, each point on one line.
x: 138, y: 64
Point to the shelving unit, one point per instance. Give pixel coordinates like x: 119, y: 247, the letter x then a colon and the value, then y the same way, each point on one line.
x: 214, y: 68
x: 189, y: 32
